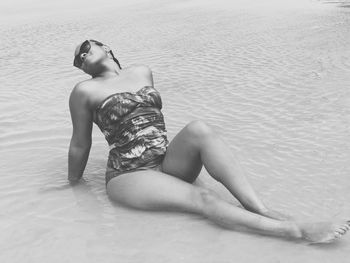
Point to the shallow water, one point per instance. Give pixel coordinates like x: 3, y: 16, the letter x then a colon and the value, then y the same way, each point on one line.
x: 272, y: 81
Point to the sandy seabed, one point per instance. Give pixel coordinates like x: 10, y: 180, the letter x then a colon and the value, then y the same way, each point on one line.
x: 272, y: 77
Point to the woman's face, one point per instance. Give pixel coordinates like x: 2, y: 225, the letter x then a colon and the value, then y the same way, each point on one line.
x: 92, y: 58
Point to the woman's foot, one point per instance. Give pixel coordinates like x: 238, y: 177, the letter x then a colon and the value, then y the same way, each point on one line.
x: 321, y: 232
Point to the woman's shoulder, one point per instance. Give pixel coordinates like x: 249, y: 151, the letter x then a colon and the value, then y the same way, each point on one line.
x: 140, y: 69
x: 81, y: 88
x: 142, y: 72
x: 82, y: 91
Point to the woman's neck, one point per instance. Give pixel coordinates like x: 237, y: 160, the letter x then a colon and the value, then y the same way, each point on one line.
x: 109, y: 69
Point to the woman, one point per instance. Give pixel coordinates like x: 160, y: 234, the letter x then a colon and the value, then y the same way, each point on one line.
x: 145, y: 171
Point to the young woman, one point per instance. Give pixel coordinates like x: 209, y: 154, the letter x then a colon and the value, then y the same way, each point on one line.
x: 145, y: 171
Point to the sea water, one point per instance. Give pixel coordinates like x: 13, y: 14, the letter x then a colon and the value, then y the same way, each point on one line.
x: 272, y: 80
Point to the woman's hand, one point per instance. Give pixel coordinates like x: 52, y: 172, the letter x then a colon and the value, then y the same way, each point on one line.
x: 73, y: 182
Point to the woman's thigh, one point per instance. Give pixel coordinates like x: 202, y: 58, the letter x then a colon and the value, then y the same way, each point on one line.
x: 182, y: 158
x: 155, y: 190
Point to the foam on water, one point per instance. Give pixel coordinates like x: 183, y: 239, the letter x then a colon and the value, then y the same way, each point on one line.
x: 273, y: 82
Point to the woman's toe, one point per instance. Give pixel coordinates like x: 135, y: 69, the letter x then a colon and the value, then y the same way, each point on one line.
x: 345, y: 228
x: 337, y: 235
x: 341, y: 231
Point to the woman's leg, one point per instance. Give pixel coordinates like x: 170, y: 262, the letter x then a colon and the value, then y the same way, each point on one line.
x: 154, y: 190
x: 197, y: 144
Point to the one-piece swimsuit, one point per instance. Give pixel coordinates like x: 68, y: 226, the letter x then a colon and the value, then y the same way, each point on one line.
x: 133, y: 125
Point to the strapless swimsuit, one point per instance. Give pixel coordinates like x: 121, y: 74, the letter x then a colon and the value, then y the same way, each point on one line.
x: 134, y: 128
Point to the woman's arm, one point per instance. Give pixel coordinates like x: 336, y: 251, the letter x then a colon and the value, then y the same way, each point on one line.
x: 80, y: 144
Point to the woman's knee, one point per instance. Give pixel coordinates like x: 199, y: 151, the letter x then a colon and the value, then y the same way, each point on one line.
x: 206, y: 199
x: 199, y: 128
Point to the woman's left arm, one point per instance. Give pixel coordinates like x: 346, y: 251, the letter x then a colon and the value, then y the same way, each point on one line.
x: 80, y: 144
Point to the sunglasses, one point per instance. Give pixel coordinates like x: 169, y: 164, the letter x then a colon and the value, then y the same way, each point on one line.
x: 84, y: 48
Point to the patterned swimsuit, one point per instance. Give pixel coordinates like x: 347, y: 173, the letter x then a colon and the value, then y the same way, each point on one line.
x: 134, y: 128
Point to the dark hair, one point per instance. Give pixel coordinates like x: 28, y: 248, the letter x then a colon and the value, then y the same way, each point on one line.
x: 101, y: 44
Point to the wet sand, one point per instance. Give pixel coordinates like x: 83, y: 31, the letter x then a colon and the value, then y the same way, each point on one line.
x: 272, y: 78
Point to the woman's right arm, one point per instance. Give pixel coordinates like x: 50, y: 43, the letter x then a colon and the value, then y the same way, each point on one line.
x: 80, y: 143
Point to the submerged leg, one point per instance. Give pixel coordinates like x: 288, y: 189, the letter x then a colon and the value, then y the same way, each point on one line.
x: 153, y: 190
x: 222, y: 165
x: 197, y: 144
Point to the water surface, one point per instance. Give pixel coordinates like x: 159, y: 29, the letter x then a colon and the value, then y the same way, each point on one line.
x: 273, y: 82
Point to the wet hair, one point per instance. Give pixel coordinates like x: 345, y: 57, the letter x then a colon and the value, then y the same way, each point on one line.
x: 101, y: 44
